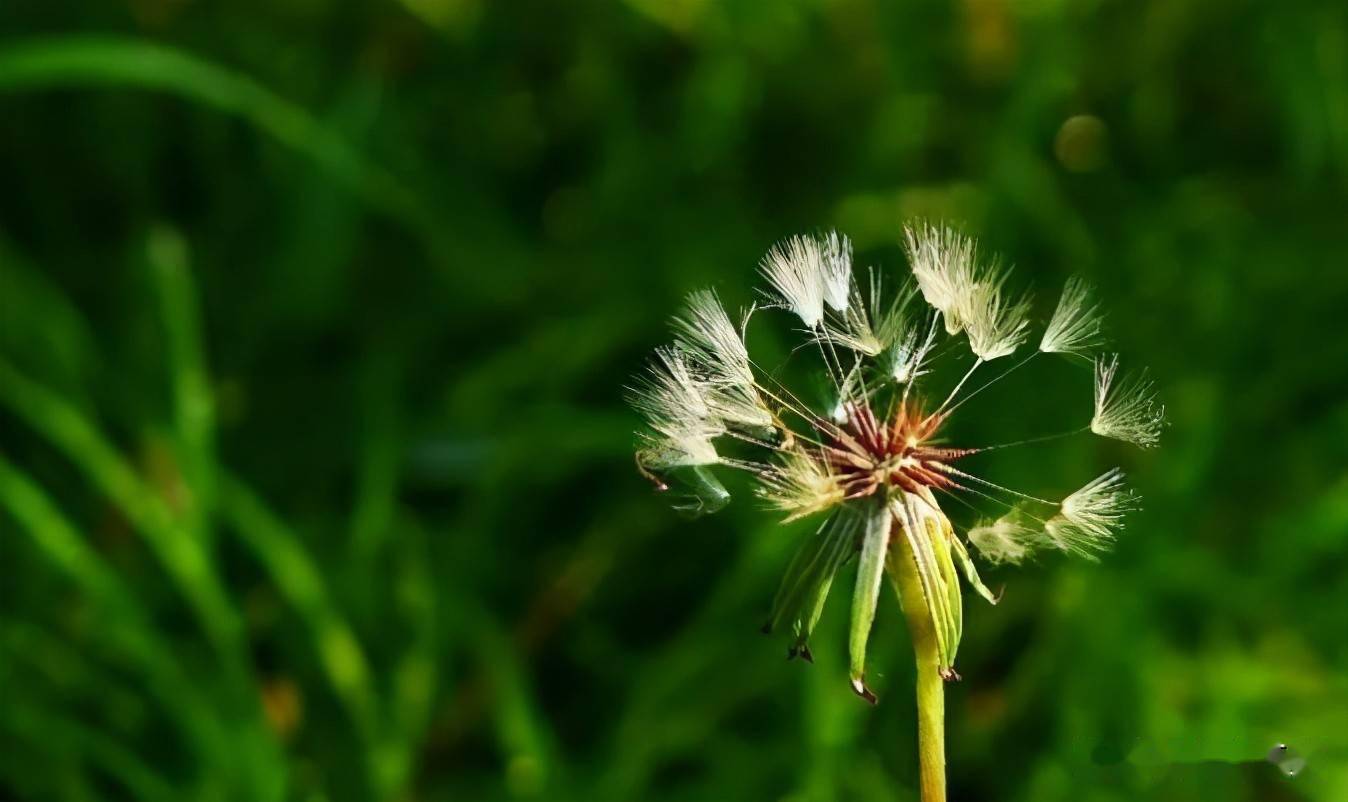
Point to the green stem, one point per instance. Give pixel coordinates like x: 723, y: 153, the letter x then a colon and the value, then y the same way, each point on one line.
x: 930, y: 686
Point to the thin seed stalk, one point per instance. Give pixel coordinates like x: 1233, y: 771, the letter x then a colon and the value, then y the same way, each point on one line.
x: 930, y: 686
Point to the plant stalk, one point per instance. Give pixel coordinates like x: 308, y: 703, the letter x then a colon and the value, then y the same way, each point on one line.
x: 930, y: 686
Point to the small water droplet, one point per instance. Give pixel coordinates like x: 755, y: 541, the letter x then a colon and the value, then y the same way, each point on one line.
x: 1289, y: 762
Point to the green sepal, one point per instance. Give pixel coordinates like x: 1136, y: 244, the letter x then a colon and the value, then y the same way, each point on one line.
x: 928, y: 534
x: 695, y: 490
x: 870, y: 572
x: 804, y: 625
x: 971, y: 572
x: 804, y: 588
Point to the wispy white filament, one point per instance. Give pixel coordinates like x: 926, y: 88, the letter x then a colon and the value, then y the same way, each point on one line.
x: 1088, y: 519
x: 1126, y: 409
x: 836, y: 251
x: 942, y: 261
x: 800, y: 485
x: 675, y: 405
x: 706, y: 334
x: 1005, y: 540
x: 795, y: 269
x: 1075, y: 325
x: 995, y: 323
x: 892, y: 320
x: 910, y: 353
x: 852, y: 329
x: 716, y: 348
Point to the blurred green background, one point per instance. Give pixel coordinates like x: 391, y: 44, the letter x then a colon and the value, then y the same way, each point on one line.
x: 315, y: 478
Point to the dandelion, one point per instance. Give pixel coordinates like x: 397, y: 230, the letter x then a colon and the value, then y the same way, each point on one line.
x: 874, y: 466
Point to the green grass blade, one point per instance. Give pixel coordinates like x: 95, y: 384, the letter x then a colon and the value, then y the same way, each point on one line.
x: 100, y: 750
x: 89, y: 61
x: 300, y: 581
x: 193, y: 403
x: 415, y: 676
x: 129, y: 631
x: 181, y: 555
x: 40, y: 322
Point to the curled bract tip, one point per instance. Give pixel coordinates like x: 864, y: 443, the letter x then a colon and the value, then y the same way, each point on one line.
x: 860, y: 689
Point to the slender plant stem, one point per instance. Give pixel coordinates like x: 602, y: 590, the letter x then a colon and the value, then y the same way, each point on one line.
x: 930, y: 686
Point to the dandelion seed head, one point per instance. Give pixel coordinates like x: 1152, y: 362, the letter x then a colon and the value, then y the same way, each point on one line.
x: 1126, y: 408
x: 873, y: 462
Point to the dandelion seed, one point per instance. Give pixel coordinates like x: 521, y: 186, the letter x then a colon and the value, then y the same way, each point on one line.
x: 674, y: 403
x: 892, y: 320
x: 995, y: 324
x: 942, y: 261
x: 910, y: 353
x: 795, y: 270
x: 800, y: 484
x: 713, y: 344
x: 852, y: 331
x: 670, y: 395
x: 836, y: 253
x: 707, y: 335
x: 1089, y: 518
x: 1126, y: 410
x: 1006, y: 540
x: 1075, y: 325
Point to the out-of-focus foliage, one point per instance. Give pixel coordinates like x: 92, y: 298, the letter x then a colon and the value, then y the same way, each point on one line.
x: 315, y: 481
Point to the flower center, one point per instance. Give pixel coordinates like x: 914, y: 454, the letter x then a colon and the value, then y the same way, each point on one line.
x: 868, y: 453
